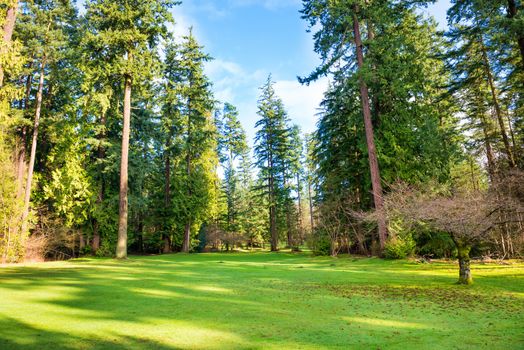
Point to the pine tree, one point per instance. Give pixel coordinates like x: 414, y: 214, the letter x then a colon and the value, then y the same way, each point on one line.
x: 313, y: 11
x: 195, y: 131
x: 232, y: 145
x: 387, y: 56
x: 131, y: 30
x: 44, y: 32
x: 271, y: 150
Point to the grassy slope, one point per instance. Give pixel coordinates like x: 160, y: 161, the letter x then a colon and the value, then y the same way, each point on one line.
x: 258, y: 301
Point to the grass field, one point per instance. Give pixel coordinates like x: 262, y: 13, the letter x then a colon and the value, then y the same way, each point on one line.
x: 259, y: 301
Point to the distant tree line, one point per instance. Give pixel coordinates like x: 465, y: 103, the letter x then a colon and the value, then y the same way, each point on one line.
x: 111, y: 139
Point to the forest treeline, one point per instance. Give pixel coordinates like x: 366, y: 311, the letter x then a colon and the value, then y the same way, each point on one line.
x: 111, y: 138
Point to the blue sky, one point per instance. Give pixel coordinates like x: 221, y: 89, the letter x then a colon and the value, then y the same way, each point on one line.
x: 250, y: 39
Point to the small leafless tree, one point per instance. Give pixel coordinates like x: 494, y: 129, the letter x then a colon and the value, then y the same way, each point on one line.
x: 469, y: 217
x: 334, y: 219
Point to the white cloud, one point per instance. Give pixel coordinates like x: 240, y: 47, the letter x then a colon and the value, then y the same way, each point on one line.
x: 302, y: 101
x: 232, y: 83
x: 184, y: 21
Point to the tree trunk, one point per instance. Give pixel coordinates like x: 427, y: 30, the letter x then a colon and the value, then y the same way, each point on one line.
x: 310, y: 205
x: 376, y: 102
x: 512, y: 13
x: 464, y: 264
x: 300, y: 225
x: 187, y: 237
x: 8, y: 29
x: 273, y: 228
x: 167, y: 196
x: 95, y: 243
x: 121, y: 248
x: 32, y: 159
x: 489, y: 150
x: 23, y: 140
x: 288, y: 216
x: 272, y: 208
x: 372, y: 154
x: 496, y: 105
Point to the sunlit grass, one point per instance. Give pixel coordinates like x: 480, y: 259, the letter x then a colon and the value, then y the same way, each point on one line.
x: 259, y: 301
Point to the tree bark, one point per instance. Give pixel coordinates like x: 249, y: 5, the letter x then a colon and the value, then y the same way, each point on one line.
x: 121, y: 248
x: 300, y: 225
x: 187, y: 237
x: 23, y: 141
x: 372, y: 153
x: 272, y: 208
x: 29, y: 180
x: 464, y: 264
x: 512, y: 13
x: 8, y: 29
x: 187, y: 230
x: 496, y: 105
x: 310, y: 205
x: 167, y: 196
x: 95, y: 243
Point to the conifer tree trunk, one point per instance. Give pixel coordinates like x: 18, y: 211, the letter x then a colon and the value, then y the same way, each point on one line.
x: 300, y: 225
x: 310, y: 205
x: 167, y: 193
x: 372, y: 154
x: 29, y: 180
x: 272, y: 207
x: 23, y: 141
x: 187, y: 229
x: 288, y: 216
x: 121, y: 248
x: 512, y: 13
x: 8, y: 28
x: 496, y: 105
x: 489, y: 154
x: 95, y: 243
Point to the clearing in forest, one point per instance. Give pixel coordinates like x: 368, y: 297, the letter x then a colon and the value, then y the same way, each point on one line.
x: 259, y: 301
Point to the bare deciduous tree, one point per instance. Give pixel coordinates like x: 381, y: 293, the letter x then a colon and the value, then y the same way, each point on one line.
x: 468, y: 217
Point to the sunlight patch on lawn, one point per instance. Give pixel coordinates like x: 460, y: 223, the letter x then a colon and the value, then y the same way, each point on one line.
x: 182, y: 334
x: 213, y: 289
x: 386, y: 323
x: 156, y: 292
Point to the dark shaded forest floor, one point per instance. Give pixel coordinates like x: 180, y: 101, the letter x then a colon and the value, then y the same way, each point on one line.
x: 259, y: 301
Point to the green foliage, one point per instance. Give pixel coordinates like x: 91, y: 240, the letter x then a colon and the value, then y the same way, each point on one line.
x: 190, y: 140
x: 69, y: 189
x: 399, y: 247
x: 401, y: 244
x: 410, y: 305
x: 319, y: 243
x: 12, y: 240
x: 277, y: 161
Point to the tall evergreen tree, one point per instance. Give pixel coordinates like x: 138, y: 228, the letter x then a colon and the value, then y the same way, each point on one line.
x: 232, y: 146
x: 195, y: 130
x: 131, y: 30
x: 271, y: 149
x: 43, y: 31
x: 381, y: 53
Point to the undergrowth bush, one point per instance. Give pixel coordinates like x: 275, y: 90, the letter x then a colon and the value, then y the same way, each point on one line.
x: 319, y: 243
x: 399, y: 247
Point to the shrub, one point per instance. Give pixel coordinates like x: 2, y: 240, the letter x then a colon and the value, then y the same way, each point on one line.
x: 319, y: 243
x: 399, y: 247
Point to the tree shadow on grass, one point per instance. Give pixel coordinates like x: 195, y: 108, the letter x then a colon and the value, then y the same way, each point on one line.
x: 210, y: 301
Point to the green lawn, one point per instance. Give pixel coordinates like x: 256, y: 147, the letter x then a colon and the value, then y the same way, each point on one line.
x: 259, y: 301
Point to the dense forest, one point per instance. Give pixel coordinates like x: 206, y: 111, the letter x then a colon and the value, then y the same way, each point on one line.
x: 111, y: 139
